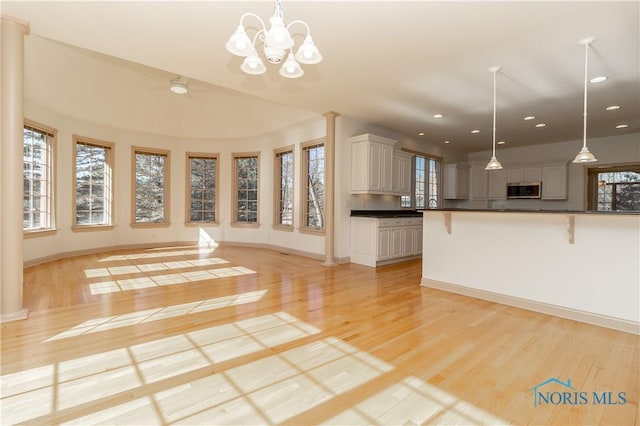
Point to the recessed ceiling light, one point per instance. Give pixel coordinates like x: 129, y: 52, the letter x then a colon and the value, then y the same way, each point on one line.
x: 501, y: 142
x: 622, y: 126
x: 447, y: 141
x: 438, y: 116
x: 598, y: 79
x: 475, y: 131
x: 540, y: 125
x: 421, y: 134
x: 612, y: 107
x: 529, y: 117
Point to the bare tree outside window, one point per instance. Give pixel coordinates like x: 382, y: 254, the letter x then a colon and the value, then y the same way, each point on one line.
x: 151, y: 192
x: 284, y: 185
x: 246, y: 174
x: 93, y: 183
x: 38, y: 148
x: 202, y: 173
x: 313, y: 169
x: 617, y: 189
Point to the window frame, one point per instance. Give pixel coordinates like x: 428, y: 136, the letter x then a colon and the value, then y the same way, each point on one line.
x: 187, y: 217
x: 234, y: 190
x: 109, y: 162
x: 304, y: 170
x: 591, y: 187
x: 51, y: 133
x: 438, y: 173
x: 277, y: 186
x: 166, y: 181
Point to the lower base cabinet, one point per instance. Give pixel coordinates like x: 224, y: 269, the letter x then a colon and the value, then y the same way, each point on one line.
x: 378, y: 241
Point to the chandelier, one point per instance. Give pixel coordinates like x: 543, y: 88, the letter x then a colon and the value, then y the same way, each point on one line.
x: 277, y: 42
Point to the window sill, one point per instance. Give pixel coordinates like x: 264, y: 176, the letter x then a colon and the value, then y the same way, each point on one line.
x: 35, y: 233
x: 150, y: 225
x: 202, y: 224
x: 286, y: 228
x: 244, y: 225
x: 312, y: 231
x: 89, y: 228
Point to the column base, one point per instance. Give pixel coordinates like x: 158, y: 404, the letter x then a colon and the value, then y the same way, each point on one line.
x: 20, y: 315
x: 329, y: 263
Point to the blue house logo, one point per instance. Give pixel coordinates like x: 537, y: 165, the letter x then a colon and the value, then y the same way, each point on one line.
x: 568, y: 395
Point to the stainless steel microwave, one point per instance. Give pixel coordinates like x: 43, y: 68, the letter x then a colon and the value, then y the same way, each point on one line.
x: 524, y: 190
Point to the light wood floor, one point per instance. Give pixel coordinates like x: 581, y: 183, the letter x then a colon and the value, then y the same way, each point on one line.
x: 252, y: 336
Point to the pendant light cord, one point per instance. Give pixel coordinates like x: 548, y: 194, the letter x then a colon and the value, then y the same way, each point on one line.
x: 494, y: 113
x: 584, y: 130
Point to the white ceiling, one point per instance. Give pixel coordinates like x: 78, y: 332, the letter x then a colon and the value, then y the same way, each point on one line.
x: 391, y: 63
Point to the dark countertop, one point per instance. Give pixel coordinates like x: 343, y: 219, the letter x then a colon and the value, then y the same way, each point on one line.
x: 385, y: 213
x: 636, y: 213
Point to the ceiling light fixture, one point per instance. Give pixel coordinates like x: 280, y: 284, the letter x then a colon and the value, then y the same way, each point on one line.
x: 277, y: 41
x: 529, y: 117
x: 421, y: 134
x: 598, y: 79
x: 541, y: 125
x: 438, y: 116
x: 494, y: 164
x: 584, y: 156
x: 612, y: 107
x: 501, y: 142
x: 178, y: 86
x: 622, y: 126
x: 447, y: 142
x: 475, y: 131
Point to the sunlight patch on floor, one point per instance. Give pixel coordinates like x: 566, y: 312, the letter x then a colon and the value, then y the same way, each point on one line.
x: 149, y: 315
x: 153, y: 254
x: 106, y: 287
x: 34, y: 394
x: 415, y: 402
x: 151, y: 267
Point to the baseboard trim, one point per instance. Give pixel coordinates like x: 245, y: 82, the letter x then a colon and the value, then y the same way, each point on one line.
x: 66, y: 254
x: 16, y: 316
x: 531, y: 305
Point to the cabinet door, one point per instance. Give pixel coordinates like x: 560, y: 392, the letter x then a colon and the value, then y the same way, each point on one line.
x: 515, y: 174
x: 375, y: 167
x: 408, y: 248
x: 497, y: 185
x: 554, y: 182
x: 532, y: 174
x: 384, y: 243
x: 385, y: 168
x: 417, y: 240
x: 478, y: 183
x: 396, y: 242
x: 456, y: 182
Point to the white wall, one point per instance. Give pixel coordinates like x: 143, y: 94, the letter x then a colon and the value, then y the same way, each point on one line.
x: 624, y: 148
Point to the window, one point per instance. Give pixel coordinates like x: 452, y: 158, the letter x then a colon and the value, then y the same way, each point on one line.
x: 426, y: 183
x: 151, y: 190
x: 284, y: 183
x: 202, y: 178
x: 93, y: 183
x: 245, y: 188
x: 38, y: 177
x: 313, y: 185
x: 615, y: 188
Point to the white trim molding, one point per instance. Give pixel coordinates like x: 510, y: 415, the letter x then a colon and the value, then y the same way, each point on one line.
x: 15, y: 316
x: 531, y: 305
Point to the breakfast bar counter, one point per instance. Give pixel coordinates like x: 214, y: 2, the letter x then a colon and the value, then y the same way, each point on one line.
x: 579, y: 265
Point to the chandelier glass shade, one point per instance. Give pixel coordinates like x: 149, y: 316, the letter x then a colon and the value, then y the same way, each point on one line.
x: 277, y: 44
x: 584, y: 156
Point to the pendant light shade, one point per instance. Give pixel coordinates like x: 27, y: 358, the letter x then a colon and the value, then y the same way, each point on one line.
x: 291, y: 68
x: 494, y: 164
x: 584, y: 156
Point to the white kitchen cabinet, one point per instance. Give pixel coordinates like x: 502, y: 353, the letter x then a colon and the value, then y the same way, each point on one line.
x: 478, y: 181
x: 497, y: 189
x: 524, y: 174
x: 376, y: 241
x: 456, y: 181
x: 401, y: 181
x: 554, y: 181
x: 371, y: 164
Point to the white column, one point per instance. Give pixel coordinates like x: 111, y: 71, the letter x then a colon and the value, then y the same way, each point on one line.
x: 12, y: 115
x: 329, y: 189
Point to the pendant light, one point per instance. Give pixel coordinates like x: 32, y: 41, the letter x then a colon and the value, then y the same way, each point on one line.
x: 494, y: 164
x: 584, y: 156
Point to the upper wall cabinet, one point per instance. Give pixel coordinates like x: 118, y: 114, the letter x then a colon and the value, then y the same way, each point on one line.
x: 401, y: 179
x: 371, y: 164
x: 497, y: 188
x: 524, y: 174
x: 456, y: 181
x: 554, y: 181
x: 478, y: 181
